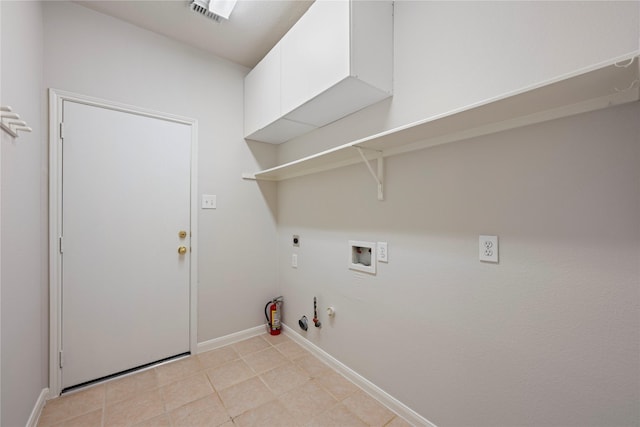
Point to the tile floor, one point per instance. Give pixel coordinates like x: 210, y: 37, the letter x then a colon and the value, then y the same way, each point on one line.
x: 265, y: 381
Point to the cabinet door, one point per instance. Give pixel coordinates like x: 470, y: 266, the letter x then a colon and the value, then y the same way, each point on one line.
x: 262, y: 93
x: 315, y: 53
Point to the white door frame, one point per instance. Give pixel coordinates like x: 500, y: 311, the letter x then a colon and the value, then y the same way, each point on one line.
x: 56, y: 97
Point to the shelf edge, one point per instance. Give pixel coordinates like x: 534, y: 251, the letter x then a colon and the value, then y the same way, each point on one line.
x: 279, y: 173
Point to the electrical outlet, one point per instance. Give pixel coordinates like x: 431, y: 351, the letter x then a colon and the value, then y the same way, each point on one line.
x: 294, y: 261
x: 488, y: 248
x: 383, y: 253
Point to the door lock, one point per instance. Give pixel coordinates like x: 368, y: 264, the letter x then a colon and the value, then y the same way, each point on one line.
x: 182, y: 234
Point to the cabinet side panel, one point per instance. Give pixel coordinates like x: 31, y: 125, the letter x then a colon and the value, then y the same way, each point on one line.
x: 262, y: 93
x: 372, y: 43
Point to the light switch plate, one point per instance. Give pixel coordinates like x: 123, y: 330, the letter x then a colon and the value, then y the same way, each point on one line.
x: 208, y: 201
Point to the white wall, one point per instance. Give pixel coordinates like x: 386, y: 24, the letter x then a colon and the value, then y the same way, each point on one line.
x: 549, y: 336
x: 93, y: 54
x: 24, y: 294
x: 448, y: 55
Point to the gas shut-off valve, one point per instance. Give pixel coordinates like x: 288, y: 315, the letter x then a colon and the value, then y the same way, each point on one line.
x: 331, y: 311
x: 316, y: 321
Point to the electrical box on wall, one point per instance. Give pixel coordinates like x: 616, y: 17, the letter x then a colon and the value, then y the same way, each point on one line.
x: 362, y: 256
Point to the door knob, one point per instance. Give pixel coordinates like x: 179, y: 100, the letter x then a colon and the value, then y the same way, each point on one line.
x: 182, y: 250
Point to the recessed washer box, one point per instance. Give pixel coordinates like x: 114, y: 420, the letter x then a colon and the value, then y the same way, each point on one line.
x: 362, y: 256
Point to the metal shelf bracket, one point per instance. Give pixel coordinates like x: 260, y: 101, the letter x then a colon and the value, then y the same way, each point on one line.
x: 379, y: 176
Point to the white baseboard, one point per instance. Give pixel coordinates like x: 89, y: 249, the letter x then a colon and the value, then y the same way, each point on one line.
x: 402, y: 410
x: 37, y: 409
x: 230, y: 339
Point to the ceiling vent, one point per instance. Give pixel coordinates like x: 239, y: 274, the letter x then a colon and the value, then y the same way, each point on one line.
x: 213, y: 9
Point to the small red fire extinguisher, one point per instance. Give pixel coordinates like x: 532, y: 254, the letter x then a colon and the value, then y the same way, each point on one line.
x: 273, y: 313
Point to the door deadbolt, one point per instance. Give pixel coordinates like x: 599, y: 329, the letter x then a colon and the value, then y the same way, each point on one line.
x: 182, y: 234
x: 182, y: 250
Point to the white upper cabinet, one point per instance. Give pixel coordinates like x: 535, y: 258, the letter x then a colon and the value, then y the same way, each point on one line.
x: 337, y: 59
x: 315, y: 53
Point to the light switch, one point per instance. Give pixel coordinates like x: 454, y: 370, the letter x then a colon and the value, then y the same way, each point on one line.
x: 208, y: 201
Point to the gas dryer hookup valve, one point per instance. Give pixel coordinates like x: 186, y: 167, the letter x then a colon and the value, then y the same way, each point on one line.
x: 316, y: 321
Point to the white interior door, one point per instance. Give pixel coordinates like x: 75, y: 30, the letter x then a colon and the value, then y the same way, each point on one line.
x: 125, y: 198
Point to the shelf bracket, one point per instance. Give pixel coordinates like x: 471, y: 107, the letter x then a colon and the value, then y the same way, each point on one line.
x: 379, y: 176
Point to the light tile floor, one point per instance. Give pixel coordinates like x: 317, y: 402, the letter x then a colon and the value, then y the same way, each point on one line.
x: 266, y: 381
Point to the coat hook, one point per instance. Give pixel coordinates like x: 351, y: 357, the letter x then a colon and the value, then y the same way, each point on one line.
x: 10, y: 122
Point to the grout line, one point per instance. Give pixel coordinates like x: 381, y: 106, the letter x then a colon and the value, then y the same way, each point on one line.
x: 217, y: 392
x: 201, y: 370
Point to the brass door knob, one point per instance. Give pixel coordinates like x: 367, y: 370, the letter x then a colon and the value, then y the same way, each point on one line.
x: 182, y: 250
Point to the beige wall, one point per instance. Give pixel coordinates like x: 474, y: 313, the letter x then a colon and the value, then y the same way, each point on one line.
x: 24, y: 292
x: 550, y: 335
x: 92, y: 54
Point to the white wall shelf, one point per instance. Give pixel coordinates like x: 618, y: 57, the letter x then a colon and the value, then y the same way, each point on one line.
x: 613, y: 83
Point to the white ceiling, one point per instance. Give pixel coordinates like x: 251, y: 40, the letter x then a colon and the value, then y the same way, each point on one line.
x: 254, y: 27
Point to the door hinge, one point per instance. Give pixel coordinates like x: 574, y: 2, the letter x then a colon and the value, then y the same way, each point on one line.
x: 60, y: 359
x: 60, y: 244
x: 61, y: 130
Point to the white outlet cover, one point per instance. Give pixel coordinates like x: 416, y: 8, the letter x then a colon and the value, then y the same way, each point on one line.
x: 383, y: 252
x: 488, y: 249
